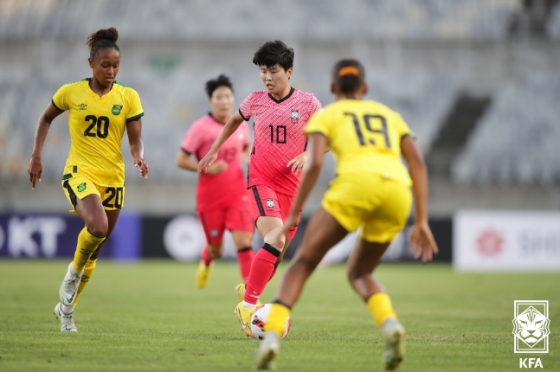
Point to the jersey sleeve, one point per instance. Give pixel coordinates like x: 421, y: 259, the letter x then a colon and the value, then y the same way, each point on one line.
x: 135, y: 110
x: 402, y: 128
x: 314, y: 106
x: 60, y: 98
x: 318, y: 124
x: 192, y: 140
x: 245, y: 109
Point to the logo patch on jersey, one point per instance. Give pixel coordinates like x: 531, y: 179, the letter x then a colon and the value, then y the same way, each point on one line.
x: 295, y: 115
x: 82, y: 107
x: 82, y: 187
x: 117, y: 109
x: 270, y: 203
x: 214, y: 233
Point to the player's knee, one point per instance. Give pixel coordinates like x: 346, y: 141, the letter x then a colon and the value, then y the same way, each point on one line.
x: 98, y: 227
x: 308, y: 263
x: 215, y: 250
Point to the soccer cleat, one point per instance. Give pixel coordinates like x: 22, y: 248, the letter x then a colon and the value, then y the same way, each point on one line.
x: 240, y: 290
x: 267, y: 352
x: 244, y: 315
x: 66, y: 320
x: 393, y: 333
x: 69, y: 287
x: 203, y: 274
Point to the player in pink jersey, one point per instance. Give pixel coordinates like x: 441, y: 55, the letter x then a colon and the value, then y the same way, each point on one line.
x: 219, y: 210
x: 280, y: 114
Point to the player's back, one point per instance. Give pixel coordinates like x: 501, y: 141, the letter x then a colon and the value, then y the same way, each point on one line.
x: 364, y: 137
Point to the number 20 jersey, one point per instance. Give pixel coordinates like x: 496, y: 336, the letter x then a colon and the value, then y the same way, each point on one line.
x: 96, y: 126
x: 278, y: 136
x: 365, y: 138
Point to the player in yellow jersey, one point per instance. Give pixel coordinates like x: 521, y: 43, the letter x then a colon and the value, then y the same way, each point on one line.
x: 99, y: 112
x: 371, y: 192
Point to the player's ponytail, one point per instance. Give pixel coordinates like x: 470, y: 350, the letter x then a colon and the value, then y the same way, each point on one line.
x: 104, y: 38
x: 348, y: 75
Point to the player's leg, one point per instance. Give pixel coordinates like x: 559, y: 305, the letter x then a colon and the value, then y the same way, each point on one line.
x: 213, y: 225
x: 265, y: 207
x: 240, y: 223
x: 89, y: 268
x: 322, y: 233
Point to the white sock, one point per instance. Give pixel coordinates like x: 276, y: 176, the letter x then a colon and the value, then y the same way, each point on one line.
x: 67, y: 310
x: 248, y: 305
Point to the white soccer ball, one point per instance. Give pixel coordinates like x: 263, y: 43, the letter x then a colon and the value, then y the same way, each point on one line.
x: 259, y: 318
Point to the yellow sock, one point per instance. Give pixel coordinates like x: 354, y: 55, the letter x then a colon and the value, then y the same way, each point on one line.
x: 379, y: 305
x: 88, y: 272
x: 87, y: 244
x: 277, y: 319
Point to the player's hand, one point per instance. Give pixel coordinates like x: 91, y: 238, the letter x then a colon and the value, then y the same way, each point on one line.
x: 35, y: 170
x: 422, y: 242
x: 290, y: 222
x: 298, y: 162
x: 218, y: 167
x: 207, y: 161
x: 143, y: 165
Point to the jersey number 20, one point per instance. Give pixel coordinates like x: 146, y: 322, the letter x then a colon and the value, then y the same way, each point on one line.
x: 99, y: 126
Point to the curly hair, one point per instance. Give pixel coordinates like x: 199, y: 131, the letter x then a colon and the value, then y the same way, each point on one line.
x: 102, y: 39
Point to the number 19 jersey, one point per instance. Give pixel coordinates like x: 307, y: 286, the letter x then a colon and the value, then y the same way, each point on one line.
x: 278, y: 136
x: 365, y: 138
x: 96, y: 126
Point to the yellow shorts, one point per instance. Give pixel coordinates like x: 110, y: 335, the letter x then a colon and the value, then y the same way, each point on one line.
x: 378, y: 206
x: 78, y: 187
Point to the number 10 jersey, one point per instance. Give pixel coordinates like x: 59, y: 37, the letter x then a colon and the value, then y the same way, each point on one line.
x: 278, y: 136
x: 96, y: 126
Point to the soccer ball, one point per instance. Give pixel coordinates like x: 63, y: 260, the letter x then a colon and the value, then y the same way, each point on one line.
x: 259, y: 318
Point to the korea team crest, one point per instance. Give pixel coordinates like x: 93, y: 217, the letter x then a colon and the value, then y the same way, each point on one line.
x: 531, y: 327
x: 294, y: 115
x: 270, y: 203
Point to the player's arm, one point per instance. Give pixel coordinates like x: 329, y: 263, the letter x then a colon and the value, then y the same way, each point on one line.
x: 310, y: 176
x: 422, y: 241
x: 35, y: 167
x: 186, y: 161
x: 229, y: 128
x: 134, y: 132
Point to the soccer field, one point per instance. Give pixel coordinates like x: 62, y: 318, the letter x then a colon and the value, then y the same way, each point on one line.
x: 150, y: 317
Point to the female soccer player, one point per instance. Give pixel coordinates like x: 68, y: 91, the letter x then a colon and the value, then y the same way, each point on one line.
x: 371, y: 192
x: 279, y: 153
x: 100, y: 109
x: 218, y: 211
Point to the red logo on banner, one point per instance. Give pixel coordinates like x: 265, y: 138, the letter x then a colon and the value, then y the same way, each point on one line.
x: 490, y: 243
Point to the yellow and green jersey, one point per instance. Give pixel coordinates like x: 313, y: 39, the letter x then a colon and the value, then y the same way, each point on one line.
x: 96, y: 126
x: 365, y: 138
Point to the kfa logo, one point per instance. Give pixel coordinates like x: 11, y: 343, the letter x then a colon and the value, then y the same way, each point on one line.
x: 530, y: 327
x: 530, y: 363
x: 295, y: 115
x: 270, y: 203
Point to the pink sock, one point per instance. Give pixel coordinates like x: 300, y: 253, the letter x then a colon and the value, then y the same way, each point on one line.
x: 245, y: 257
x: 273, y: 273
x: 261, y: 269
x: 205, y: 257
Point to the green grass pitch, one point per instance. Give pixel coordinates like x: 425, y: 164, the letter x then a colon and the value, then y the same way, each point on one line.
x: 150, y: 317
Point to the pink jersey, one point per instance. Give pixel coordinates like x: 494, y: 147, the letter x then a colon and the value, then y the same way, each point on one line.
x: 278, y: 136
x: 226, y: 188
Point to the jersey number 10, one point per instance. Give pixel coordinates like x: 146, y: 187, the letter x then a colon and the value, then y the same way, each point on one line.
x: 367, y: 120
x: 99, y: 126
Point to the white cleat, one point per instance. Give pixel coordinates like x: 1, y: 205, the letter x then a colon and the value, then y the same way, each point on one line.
x: 268, y: 350
x: 66, y: 320
x: 69, y: 287
x: 393, y: 333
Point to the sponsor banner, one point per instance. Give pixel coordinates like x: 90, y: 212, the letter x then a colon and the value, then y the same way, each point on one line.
x: 54, y: 236
x: 506, y: 241
x: 181, y: 238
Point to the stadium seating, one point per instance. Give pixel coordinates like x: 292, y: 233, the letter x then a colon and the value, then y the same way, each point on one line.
x: 517, y: 140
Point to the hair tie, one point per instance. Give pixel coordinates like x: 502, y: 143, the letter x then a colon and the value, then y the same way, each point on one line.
x: 349, y: 70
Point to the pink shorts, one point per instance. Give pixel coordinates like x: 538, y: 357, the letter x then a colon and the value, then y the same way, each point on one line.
x: 270, y: 203
x: 214, y: 222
